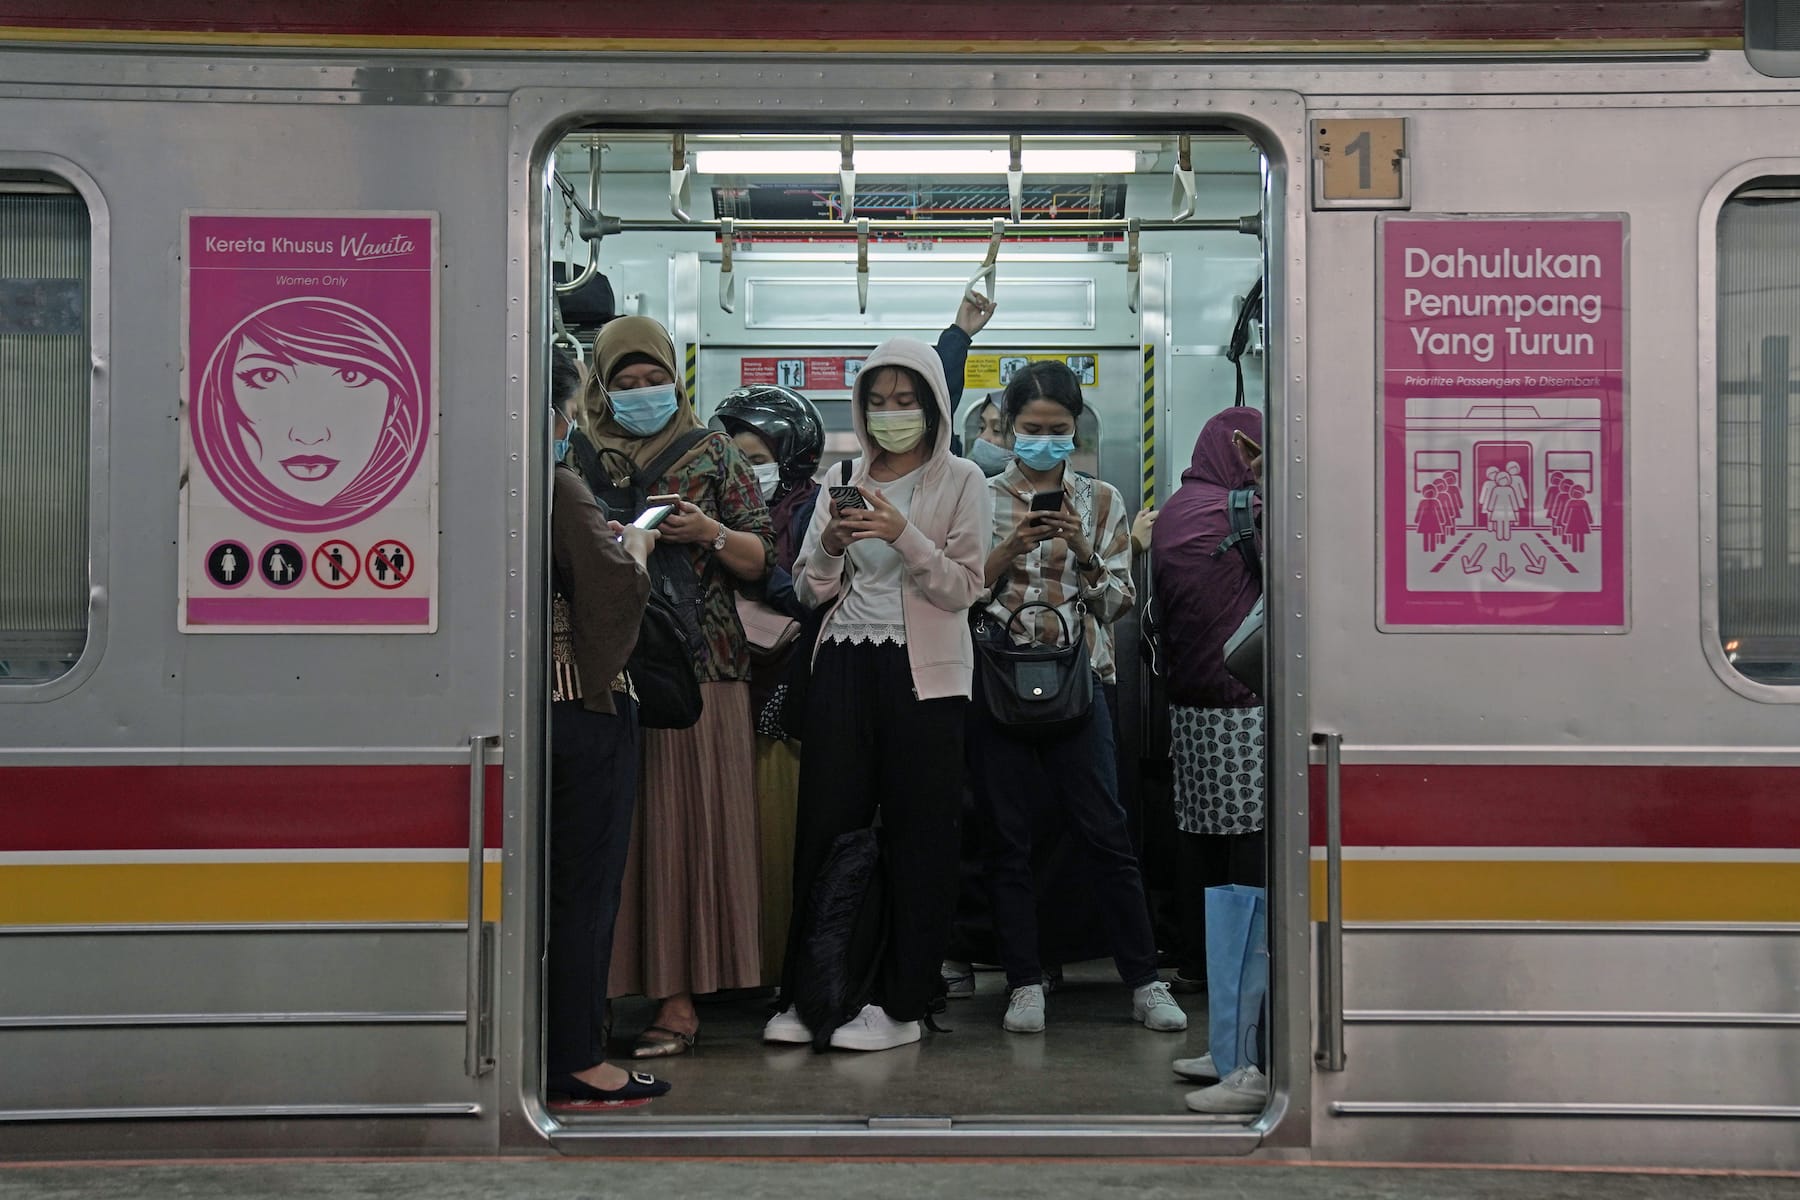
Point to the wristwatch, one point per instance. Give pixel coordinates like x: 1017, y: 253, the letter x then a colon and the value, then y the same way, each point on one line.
x: 718, y: 543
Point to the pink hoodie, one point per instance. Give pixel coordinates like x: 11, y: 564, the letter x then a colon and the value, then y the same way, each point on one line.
x: 944, y: 545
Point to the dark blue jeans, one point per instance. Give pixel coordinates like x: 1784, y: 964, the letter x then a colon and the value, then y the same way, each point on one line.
x: 1018, y: 783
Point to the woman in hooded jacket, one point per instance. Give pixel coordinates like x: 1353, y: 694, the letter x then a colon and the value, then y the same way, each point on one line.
x: 1216, y: 740
x: 891, y: 680
x: 689, y: 920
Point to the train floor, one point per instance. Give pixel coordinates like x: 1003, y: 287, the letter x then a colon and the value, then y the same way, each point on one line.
x: 1092, y: 1058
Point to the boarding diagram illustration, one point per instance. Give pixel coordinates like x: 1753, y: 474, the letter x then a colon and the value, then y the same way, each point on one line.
x: 1503, y: 494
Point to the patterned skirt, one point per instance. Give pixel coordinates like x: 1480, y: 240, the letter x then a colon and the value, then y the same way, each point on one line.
x: 1218, y: 755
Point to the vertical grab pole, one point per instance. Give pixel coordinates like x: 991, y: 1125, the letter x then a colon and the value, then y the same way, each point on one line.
x: 474, y: 1064
x: 1331, y: 949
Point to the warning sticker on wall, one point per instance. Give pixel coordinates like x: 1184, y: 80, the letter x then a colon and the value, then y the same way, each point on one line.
x: 1502, y: 394
x: 309, y: 430
x: 986, y: 372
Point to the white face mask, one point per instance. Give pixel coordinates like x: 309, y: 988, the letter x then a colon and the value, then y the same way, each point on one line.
x: 768, y: 478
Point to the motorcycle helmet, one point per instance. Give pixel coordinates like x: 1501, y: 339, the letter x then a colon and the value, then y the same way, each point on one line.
x: 784, y: 419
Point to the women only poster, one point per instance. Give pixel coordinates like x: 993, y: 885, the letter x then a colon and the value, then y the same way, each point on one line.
x: 309, y: 423
x: 1502, y: 384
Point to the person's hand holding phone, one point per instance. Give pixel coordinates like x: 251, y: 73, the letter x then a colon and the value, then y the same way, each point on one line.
x: 638, y: 542
x: 1066, y: 525
x: 1028, y: 534
x: 1250, y: 453
x: 686, y: 525
x: 840, y: 500
x: 880, y: 520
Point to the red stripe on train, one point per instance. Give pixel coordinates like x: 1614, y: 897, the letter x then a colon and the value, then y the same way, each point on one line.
x: 241, y: 807
x: 1649, y: 806
x: 902, y: 21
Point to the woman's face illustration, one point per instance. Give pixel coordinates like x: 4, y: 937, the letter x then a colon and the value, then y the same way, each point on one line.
x: 310, y: 428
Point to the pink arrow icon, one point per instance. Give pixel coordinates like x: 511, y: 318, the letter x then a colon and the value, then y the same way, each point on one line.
x: 1471, y: 563
x: 1504, y: 571
x: 1534, y: 563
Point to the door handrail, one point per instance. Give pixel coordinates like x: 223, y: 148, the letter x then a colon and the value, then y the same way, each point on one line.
x: 475, y: 1064
x: 1330, y: 1056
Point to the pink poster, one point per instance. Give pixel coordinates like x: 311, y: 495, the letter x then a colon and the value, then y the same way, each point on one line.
x: 309, y: 423
x: 1502, y: 393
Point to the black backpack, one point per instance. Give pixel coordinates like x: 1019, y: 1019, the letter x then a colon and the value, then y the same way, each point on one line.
x: 670, y: 640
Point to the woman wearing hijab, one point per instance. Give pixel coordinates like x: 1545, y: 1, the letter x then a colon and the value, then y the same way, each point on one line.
x: 690, y: 919
x: 1216, y: 737
x: 897, y: 572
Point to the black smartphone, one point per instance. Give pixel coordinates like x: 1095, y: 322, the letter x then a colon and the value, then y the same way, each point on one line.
x: 653, y: 516
x: 848, y: 496
x: 1046, y: 502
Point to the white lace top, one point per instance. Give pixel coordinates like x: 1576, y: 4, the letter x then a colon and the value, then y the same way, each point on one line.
x: 871, y: 609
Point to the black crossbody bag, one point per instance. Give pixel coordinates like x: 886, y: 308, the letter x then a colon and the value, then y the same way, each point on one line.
x: 1034, y: 691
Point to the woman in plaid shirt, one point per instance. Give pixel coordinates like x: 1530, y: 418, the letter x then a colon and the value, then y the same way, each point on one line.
x: 1077, y: 559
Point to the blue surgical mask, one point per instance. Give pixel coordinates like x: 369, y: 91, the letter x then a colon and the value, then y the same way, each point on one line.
x: 1040, y: 452
x: 644, y: 411
x: 559, y: 447
x: 990, y: 458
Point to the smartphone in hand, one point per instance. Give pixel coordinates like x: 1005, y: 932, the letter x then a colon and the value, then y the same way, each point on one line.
x: 848, y: 496
x: 1046, y: 502
x: 653, y: 516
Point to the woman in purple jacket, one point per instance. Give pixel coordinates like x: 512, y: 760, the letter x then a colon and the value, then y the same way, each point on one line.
x: 1202, y: 596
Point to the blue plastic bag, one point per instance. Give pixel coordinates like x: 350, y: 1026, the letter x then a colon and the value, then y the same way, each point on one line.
x: 1237, y: 974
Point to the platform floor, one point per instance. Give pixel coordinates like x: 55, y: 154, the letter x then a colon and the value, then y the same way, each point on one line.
x: 571, y: 1179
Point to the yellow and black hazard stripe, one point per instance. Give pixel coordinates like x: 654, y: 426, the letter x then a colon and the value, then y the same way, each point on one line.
x: 1149, y: 425
x: 690, y: 373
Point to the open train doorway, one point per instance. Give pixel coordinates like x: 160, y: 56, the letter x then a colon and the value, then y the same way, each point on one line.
x: 780, y: 261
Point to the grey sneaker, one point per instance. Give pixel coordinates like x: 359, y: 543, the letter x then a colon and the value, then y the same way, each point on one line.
x: 959, y: 979
x: 1025, y: 1011
x: 1154, y: 1008
x: 1197, y: 1070
x: 873, y: 1029
x: 1245, y: 1090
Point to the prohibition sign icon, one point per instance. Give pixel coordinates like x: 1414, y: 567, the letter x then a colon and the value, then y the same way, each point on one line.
x: 336, y: 564
x: 390, y: 564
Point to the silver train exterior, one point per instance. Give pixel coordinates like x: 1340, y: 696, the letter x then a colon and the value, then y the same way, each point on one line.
x: 1592, y: 998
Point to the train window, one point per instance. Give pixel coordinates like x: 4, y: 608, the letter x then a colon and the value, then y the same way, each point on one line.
x: 1758, y: 460
x: 44, y: 436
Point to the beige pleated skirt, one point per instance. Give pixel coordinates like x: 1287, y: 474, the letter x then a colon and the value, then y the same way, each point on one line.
x: 690, y: 917
x: 778, y: 796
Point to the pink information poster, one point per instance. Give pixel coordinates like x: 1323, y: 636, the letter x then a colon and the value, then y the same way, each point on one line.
x: 309, y: 423
x: 1502, y: 394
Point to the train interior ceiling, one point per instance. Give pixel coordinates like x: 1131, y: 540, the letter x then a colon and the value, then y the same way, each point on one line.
x: 1129, y: 257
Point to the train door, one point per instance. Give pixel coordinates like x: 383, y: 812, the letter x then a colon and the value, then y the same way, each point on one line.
x: 778, y: 276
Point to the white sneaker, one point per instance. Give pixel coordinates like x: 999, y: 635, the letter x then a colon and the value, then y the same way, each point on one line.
x: 1025, y: 1011
x: 959, y: 979
x: 1245, y: 1090
x: 1154, y: 1008
x: 1196, y: 1070
x: 873, y: 1029
x: 787, y: 1028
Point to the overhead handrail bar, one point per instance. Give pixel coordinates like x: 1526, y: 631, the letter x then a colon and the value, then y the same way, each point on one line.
x: 847, y: 175
x: 727, y: 281
x: 1186, y: 197
x: 586, y: 210
x: 681, y: 182
x: 605, y: 226
x: 862, y: 264
x: 989, y: 269
x: 1015, y: 177
x: 1134, y: 261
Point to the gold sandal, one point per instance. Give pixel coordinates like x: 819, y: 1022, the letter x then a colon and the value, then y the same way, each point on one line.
x: 659, y: 1041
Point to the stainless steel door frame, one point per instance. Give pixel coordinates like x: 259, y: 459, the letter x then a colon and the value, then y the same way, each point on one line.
x: 1112, y: 96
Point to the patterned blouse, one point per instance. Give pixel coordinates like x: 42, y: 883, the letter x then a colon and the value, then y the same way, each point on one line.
x: 716, y: 478
x: 1049, y: 575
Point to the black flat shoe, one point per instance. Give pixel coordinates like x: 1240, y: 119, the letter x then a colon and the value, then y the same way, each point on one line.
x: 640, y: 1087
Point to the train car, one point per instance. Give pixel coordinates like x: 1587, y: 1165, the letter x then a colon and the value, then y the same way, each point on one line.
x: 273, y: 749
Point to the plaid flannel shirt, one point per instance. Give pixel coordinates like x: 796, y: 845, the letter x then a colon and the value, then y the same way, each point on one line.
x: 1050, y: 575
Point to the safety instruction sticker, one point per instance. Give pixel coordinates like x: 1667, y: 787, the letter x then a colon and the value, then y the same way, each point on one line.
x: 820, y: 374
x: 1502, y: 385
x: 309, y: 423
x: 985, y: 372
